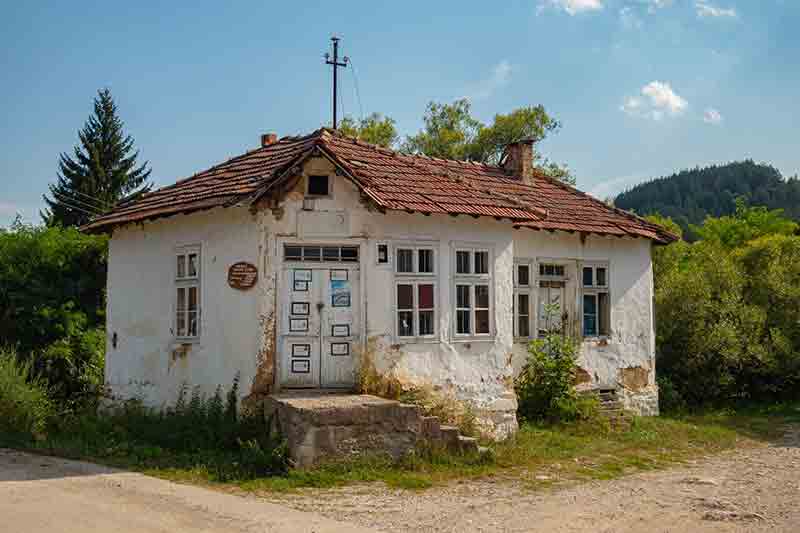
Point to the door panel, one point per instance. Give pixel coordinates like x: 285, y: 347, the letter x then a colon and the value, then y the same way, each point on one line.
x: 340, y: 328
x: 319, y: 325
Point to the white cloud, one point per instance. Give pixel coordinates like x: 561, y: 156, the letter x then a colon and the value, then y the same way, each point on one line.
x: 572, y: 7
x: 655, y: 101
x: 712, y: 116
x: 612, y: 187
x: 655, y: 5
x: 499, y: 77
x: 704, y: 9
x: 629, y: 19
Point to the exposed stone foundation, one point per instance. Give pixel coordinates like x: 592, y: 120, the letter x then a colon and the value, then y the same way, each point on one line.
x: 643, y: 402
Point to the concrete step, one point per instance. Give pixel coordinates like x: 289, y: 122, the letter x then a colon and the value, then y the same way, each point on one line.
x: 467, y: 444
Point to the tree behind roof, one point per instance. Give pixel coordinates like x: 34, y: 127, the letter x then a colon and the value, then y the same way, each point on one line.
x: 102, y: 171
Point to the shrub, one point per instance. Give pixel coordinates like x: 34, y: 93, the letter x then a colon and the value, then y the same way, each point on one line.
x: 545, y: 386
x: 24, y: 405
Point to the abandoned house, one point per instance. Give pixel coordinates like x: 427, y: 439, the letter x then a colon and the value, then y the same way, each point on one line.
x: 295, y: 263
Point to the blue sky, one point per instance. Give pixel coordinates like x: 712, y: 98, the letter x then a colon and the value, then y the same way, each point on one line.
x: 642, y: 87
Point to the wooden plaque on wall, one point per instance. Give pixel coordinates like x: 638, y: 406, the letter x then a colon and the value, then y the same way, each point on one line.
x: 242, y: 275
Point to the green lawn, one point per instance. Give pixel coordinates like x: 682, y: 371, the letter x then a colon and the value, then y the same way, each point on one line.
x: 538, y: 455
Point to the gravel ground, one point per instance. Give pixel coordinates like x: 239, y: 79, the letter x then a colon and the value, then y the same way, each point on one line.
x: 52, y: 495
x: 752, y: 489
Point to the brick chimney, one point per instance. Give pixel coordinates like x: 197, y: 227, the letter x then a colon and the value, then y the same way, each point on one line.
x: 269, y: 138
x: 518, y: 160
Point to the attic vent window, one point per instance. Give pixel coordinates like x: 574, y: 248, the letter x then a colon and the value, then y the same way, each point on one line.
x: 318, y: 185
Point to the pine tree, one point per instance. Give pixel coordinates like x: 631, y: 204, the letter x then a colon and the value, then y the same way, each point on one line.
x: 102, y: 171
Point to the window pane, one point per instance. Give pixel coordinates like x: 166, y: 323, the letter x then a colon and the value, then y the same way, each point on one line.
x: 312, y: 253
x: 350, y: 254
x: 481, y: 322
x: 589, y: 315
x: 405, y: 323
x: 426, y: 322
x: 425, y: 296
x: 523, y: 275
x: 318, y: 185
x: 463, y: 263
x: 558, y: 270
x: 192, y: 270
x: 523, y: 326
x: 482, y: 296
x: 192, y: 299
x: 425, y: 261
x: 587, y: 277
x: 405, y: 297
x: 481, y: 262
x: 462, y: 322
x: 605, y: 313
x: 330, y: 253
x: 181, y: 266
x: 462, y: 296
x: 180, y: 309
x: 523, y: 304
x: 292, y: 253
x: 601, y: 277
x: 405, y: 260
x: 192, y: 331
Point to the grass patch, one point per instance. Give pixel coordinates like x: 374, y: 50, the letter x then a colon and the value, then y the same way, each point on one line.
x: 539, y: 455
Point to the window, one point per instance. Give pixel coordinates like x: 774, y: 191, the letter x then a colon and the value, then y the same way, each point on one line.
x: 595, y: 301
x: 318, y: 186
x: 187, y: 293
x: 522, y: 300
x: 551, y: 296
x: 415, y: 309
x: 383, y: 254
x: 472, y: 281
x: 415, y: 260
x: 331, y: 254
x: 547, y: 270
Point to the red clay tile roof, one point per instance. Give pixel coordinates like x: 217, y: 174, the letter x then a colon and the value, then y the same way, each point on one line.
x: 393, y: 181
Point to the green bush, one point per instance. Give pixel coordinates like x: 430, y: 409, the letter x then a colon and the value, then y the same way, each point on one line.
x: 52, y: 306
x: 24, y: 405
x: 728, y: 312
x: 545, y: 386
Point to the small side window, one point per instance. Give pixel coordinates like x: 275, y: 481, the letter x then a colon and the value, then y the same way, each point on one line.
x: 318, y: 185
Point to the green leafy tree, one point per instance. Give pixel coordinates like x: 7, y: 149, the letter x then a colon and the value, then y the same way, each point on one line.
x: 746, y: 224
x: 451, y: 132
x: 101, y: 171
x: 52, y: 283
x: 375, y: 129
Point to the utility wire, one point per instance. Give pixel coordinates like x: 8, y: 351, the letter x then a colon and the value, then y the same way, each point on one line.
x: 85, y: 212
x: 102, y: 203
x: 65, y: 197
x: 358, y: 92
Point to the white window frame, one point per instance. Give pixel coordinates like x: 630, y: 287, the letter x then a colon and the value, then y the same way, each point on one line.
x: 594, y: 291
x: 537, y: 285
x: 472, y: 279
x: 520, y: 289
x: 415, y: 309
x: 415, y: 248
x: 187, y: 282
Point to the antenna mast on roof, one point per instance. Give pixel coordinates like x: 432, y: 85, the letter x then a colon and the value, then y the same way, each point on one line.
x: 334, y: 62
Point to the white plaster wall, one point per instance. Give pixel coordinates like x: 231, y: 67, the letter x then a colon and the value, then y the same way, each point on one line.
x: 632, y: 343
x: 141, y: 306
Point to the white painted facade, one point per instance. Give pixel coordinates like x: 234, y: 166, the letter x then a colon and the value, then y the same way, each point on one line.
x: 246, y: 333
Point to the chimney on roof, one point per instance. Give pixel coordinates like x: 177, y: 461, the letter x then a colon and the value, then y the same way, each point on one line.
x: 269, y: 138
x: 518, y: 160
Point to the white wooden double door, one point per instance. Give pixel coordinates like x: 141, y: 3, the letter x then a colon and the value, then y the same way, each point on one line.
x: 320, y: 326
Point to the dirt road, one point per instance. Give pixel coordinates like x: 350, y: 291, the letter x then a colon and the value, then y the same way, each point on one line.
x: 50, y: 495
x: 754, y: 489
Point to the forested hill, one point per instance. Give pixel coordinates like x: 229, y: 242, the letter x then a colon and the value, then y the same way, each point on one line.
x: 690, y: 195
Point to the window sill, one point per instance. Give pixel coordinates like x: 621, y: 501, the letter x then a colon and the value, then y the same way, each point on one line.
x: 416, y: 340
x: 469, y: 339
x: 179, y: 341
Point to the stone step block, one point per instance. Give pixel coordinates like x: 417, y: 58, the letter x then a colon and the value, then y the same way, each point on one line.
x: 449, y: 436
x: 467, y: 444
x: 431, y: 428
